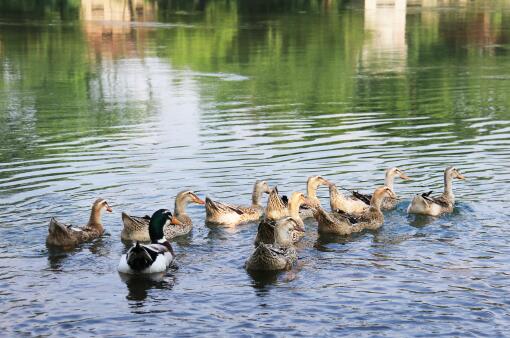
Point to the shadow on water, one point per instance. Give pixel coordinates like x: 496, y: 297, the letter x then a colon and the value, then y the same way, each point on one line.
x: 139, y: 285
x: 324, y: 239
x: 57, y: 255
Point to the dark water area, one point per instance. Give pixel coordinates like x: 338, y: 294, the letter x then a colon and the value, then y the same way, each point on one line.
x: 135, y: 101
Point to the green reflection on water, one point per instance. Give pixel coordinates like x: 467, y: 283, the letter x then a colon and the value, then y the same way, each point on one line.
x: 60, y: 65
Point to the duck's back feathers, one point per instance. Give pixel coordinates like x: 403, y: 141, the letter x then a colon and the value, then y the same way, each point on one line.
x: 144, y: 259
x: 64, y: 235
x: 425, y: 204
x: 213, y: 207
x: 365, y: 198
x: 135, y: 228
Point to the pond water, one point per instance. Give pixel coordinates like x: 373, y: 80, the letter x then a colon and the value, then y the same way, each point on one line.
x: 136, y: 100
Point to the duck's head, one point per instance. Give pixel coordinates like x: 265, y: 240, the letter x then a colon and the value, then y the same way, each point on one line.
x: 262, y: 186
x: 382, y: 192
x: 298, y: 198
x: 453, y: 173
x: 158, y: 221
x: 101, y: 204
x: 284, y: 229
x: 316, y: 181
x: 394, y: 172
x: 188, y: 196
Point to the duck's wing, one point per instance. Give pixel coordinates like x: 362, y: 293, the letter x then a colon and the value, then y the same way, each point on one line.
x: 365, y: 198
x: 340, y: 215
x: 440, y: 200
x: 265, y: 232
x: 218, y: 207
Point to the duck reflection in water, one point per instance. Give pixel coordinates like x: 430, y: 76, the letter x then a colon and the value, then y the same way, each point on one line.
x: 57, y: 255
x: 140, y: 285
x: 261, y: 279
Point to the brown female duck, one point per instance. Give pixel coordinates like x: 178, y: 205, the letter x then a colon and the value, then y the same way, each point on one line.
x: 218, y: 213
x: 425, y: 204
x: 67, y: 236
x: 265, y: 232
x: 273, y: 257
x: 312, y: 184
x: 345, y: 224
x: 388, y: 203
x: 137, y: 228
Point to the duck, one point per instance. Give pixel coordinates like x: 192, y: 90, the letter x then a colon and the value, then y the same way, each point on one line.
x: 277, y: 206
x: 137, y: 228
x: 68, y: 236
x: 312, y: 184
x: 388, y: 203
x: 218, y: 213
x: 274, y: 256
x: 346, y: 224
x: 343, y: 204
x: 275, y: 211
x: 155, y: 257
x: 424, y: 204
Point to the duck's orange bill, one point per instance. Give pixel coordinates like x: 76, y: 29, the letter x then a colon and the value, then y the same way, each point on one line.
x: 404, y: 177
x: 109, y: 208
x: 461, y: 177
x: 175, y: 221
x: 198, y: 200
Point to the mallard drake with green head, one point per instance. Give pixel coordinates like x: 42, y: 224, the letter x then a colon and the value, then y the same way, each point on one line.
x: 218, y: 213
x: 155, y: 257
x: 68, y: 236
x: 137, y: 228
x: 425, y: 204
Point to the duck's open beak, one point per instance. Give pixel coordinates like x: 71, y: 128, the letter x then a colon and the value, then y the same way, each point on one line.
x: 460, y: 177
x: 109, y: 208
x: 175, y: 221
x: 197, y: 200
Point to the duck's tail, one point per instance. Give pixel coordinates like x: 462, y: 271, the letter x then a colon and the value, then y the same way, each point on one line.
x: 138, y: 258
x: 57, y: 229
x: 419, y: 204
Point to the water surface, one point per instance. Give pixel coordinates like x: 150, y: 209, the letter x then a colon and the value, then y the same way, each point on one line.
x: 134, y: 101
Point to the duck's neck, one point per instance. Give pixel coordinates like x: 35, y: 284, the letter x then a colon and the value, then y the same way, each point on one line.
x: 256, y: 196
x: 388, y: 180
x: 180, y: 207
x: 311, y: 189
x: 95, y: 219
x: 375, y: 202
x: 448, y: 191
x: 294, y: 208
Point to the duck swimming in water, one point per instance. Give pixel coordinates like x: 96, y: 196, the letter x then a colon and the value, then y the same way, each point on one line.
x: 346, y: 224
x: 425, y: 204
x: 68, y: 236
x: 137, y: 228
x: 312, y: 184
x: 388, y: 202
x: 154, y: 257
x: 218, y: 213
x: 273, y: 257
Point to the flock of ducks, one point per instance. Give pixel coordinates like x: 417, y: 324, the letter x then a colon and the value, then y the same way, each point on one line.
x: 281, y: 221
